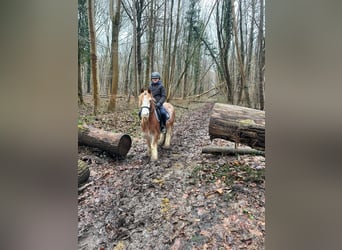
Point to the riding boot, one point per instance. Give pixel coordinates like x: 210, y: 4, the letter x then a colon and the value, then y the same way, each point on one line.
x: 159, y: 114
x: 163, y: 127
x: 163, y: 124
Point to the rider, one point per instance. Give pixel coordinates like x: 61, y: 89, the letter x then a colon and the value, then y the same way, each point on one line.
x: 159, y: 94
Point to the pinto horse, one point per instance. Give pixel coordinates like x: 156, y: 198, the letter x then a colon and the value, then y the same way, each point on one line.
x: 151, y: 126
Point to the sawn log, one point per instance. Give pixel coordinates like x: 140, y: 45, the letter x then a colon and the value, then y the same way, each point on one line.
x: 238, y: 124
x: 114, y: 143
x: 83, y: 172
x: 231, y: 151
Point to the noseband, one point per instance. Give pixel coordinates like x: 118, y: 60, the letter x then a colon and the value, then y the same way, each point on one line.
x: 145, y: 107
x: 146, y: 104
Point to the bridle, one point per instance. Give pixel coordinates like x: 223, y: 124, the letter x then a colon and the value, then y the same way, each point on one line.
x: 146, y: 104
x: 145, y: 107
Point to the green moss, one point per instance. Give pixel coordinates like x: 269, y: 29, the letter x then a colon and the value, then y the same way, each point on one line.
x: 247, y: 122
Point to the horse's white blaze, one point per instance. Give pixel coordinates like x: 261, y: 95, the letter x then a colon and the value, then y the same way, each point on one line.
x: 145, y: 110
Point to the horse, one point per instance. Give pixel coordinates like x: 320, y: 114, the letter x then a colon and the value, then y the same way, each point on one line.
x: 150, y: 124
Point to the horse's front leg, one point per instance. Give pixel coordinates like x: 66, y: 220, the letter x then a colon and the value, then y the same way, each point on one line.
x: 148, y: 142
x: 154, y: 147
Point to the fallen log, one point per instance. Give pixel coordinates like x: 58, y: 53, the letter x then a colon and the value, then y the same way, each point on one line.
x: 231, y: 151
x: 238, y: 124
x: 83, y: 172
x: 114, y: 143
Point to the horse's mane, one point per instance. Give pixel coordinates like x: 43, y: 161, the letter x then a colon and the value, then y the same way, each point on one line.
x: 153, y: 103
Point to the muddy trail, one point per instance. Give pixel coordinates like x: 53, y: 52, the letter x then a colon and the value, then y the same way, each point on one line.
x: 185, y: 200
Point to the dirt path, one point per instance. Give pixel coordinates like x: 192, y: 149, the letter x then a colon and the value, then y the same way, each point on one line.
x: 186, y: 200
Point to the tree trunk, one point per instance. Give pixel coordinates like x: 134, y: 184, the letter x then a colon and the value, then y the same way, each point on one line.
x: 115, y: 56
x: 88, y: 74
x: 128, y: 69
x: 239, y: 52
x: 261, y: 57
x: 249, y: 57
x: 151, y: 34
x: 80, y: 91
x: 140, y: 30
x: 165, y: 66
x: 93, y: 55
x: 238, y: 124
x: 135, y: 68
x: 174, y: 52
x: 223, y: 30
x: 251, y: 41
x: 114, y: 143
x: 187, y: 55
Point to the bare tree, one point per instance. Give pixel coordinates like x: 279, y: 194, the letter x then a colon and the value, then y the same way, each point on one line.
x: 115, y: 53
x: 251, y: 39
x: 174, y: 50
x: 135, y: 12
x: 93, y: 54
x: 166, y: 36
x: 83, y: 49
x: 224, y: 34
x: 80, y: 94
x: 150, y: 42
x: 194, y: 47
x: 240, y: 53
x: 261, y: 41
x: 139, y: 8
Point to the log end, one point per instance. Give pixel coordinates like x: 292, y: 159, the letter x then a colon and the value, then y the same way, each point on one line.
x: 124, y: 145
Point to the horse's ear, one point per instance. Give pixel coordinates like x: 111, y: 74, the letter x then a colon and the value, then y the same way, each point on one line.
x: 149, y: 91
x: 142, y: 90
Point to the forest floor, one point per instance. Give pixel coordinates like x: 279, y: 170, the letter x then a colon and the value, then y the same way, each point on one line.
x: 185, y: 200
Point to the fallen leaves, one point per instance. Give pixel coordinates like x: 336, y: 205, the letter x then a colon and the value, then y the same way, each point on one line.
x: 186, y: 200
x: 120, y: 246
x: 165, y: 208
x: 160, y: 182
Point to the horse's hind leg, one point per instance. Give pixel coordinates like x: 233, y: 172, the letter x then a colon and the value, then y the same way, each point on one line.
x: 161, y: 139
x: 168, y: 137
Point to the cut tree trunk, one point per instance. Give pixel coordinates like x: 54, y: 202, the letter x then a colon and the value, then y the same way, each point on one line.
x: 83, y: 172
x: 114, y: 143
x: 231, y: 151
x: 238, y: 124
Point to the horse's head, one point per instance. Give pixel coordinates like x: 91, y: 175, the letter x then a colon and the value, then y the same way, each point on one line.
x: 145, y: 102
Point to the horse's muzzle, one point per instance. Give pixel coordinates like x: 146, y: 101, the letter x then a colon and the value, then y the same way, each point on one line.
x: 145, y: 112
